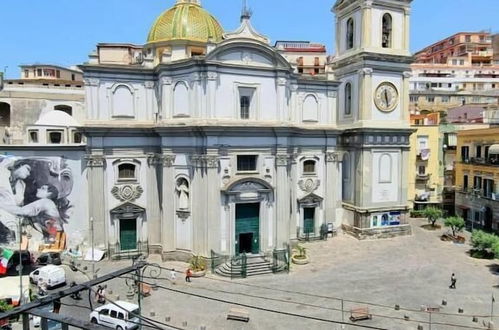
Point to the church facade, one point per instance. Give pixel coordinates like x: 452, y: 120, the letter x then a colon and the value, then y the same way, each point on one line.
x: 201, y: 140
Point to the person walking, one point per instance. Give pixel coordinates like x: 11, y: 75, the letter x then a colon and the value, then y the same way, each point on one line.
x: 453, y: 281
x: 100, y: 294
x: 188, y: 275
x: 173, y: 276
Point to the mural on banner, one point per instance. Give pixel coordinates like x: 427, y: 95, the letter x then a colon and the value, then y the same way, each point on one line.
x: 34, y: 190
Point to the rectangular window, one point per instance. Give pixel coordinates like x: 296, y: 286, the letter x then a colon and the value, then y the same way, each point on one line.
x: 486, y: 153
x: 421, y: 170
x: 477, y: 183
x: 58, y: 74
x: 445, y: 99
x: 465, y: 183
x: 430, y: 99
x: 246, y: 105
x: 39, y: 72
x: 468, y: 38
x: 461, y: 62
x: 465, y: 154
x: 33, y: 136
x: 488, y: 188
x: 26, y: 73
x: 55, y: 137
x: 77, y: 137
x: 246, y: 163
x: 478, y: 152
x: 73, y: 77
x: 454, y: 62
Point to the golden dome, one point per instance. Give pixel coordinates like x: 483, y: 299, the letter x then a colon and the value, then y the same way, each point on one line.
x: 187, y: 20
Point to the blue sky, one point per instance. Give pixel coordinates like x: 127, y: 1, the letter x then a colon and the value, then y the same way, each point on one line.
x: 64, y: 32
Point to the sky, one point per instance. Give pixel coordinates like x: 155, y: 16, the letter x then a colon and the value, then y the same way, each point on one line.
x: 64, y: 32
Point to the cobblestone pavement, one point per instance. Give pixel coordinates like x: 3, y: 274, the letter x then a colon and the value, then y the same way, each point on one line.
x: 409, y: 271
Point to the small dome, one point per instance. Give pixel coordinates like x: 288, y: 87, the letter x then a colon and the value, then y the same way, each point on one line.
x: 57, y: 118
x: 187, y: 20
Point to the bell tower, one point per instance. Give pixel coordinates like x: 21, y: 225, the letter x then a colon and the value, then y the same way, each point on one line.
x: 372, y: 63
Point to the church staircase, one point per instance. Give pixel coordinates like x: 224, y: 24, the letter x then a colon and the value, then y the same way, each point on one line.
x: 245, y: 265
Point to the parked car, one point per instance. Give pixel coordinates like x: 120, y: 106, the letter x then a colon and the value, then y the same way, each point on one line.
x: 50, y: 275
x: 49, y: 258
x: 119, y: 318
x: 26, y: 259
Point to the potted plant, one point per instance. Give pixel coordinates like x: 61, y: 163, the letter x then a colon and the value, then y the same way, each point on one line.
x: 198, y: 266
x: 299, y: 256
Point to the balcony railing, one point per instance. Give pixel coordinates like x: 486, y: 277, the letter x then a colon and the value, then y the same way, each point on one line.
x: 478, y: 193
x: 422, y: 177
x: 491, y: 161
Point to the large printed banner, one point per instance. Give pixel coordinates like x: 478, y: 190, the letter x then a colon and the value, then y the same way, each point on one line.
x: 34, y: 192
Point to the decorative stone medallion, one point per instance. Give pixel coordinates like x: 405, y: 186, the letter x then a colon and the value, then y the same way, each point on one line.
x: 309, y: 185
x: 127, y: 193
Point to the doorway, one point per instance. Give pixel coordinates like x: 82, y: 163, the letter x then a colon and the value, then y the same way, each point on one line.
x: 247, y: 228
x: 128, y: 234
x: 308, y: 220
x: 488, y: 219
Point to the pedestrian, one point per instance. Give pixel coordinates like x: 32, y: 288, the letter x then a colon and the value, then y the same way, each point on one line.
x: 100, y: 294
x: 188, y: 275
x: 453, y: 280
x: 173, y: 275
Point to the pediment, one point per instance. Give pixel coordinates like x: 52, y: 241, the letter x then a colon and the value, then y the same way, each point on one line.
x: 128, y: 209
x: 310, y: 199
x: 248, y: 53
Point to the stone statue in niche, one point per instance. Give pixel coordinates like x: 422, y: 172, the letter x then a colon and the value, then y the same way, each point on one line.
x: 182, y: 189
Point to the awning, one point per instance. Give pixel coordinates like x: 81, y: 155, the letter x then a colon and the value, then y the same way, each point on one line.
x: 494, y: 149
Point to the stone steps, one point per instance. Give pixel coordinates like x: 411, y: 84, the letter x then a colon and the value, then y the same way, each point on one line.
x: 256, y: 265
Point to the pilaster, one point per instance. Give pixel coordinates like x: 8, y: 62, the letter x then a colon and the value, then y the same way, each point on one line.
x: 282, y: 200
x: 365, y: 93
x: 281, y: 98
x: 213, y: 204
x: 198, y: 191
x: 153, y: 202
x: 366, y: 24
x: 166, y: 97
x: 212, y: 89
x: 332, y: 194
x: 168, y: 231
x: 97, y: 198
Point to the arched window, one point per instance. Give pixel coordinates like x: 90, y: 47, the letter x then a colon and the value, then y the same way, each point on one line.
x: 386, y: 38
x: 126, y: 171
x: 245, y: 107
x: 350, y: 33
x: 346, y: 178
x: 348, y: 99
x: 4, y: 114
x: 309, y: 167
x: 64, y: 108
x: 181, y: 100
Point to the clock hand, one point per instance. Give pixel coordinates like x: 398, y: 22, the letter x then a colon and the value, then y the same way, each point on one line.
x: 386, y: 97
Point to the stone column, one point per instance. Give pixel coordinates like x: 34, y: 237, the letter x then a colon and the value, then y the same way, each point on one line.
x: 213, y: 204
x: 153, y: 204
x: 212, y: 90
x: 282, y: 200
x: 407, y: 28
x: 281, y: 99
x: 198, y: 193
x: 405, y: 98
x: 331, y: 183
x: 168, y: 203
x: 166, y: 97
x: 97, y: 200
x: 366, y: 92
x: 366, y: 25
x: 294, y: 197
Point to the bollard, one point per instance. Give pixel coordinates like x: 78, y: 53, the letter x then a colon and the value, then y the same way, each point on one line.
x: 460, y: 310
x: 406, y: 317
x: 397, y: 307
x: 168, y: 319
x: 152, y: 314
x: 184, y: 324
x: 110, y: 291
x: 475, y: 319
x: 444, y: 302
x: 203, y: 327
x: 420, y: 327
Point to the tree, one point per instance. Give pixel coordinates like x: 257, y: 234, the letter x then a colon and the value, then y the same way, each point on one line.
x: 483, y: 241
x: 456, y: 224
x: 433, y: 214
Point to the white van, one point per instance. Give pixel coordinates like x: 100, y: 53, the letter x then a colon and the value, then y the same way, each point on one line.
x: 48, y: 275
x: 119, y: 318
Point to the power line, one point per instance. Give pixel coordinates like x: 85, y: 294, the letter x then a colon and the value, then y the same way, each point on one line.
x: 313, y: 305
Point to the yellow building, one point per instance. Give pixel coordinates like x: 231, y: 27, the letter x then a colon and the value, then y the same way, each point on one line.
x: 477, y: 178
x: 425, y: 181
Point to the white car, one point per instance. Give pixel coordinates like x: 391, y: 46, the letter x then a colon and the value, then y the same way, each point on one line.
x: 50, y: 275
x: 119, y: 318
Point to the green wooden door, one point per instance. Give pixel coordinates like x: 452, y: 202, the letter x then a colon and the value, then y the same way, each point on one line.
x: 128, y: 234
x: 247, y: 222
x: 308, y: 220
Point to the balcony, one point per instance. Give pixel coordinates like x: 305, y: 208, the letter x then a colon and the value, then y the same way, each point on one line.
x: 478, y: 193
x: 491, y: 161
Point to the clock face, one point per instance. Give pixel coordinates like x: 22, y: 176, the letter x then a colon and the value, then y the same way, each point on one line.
x: 386, y: 97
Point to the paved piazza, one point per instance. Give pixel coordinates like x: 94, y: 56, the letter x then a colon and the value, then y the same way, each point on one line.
x: 409, y: 271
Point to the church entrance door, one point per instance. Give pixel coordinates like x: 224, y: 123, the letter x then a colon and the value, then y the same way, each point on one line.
x: 128, y: 234
x: 247, y: 228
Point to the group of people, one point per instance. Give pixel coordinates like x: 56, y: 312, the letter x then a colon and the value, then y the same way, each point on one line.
x: 188, y: 275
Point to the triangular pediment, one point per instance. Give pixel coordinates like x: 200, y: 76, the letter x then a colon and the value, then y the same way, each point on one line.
x: 310, y: 199
x: 127, y: 208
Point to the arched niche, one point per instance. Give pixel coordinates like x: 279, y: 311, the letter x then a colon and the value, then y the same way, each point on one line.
x: 310, y: 108
x: 181, y: 100
x: 123, y: 101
